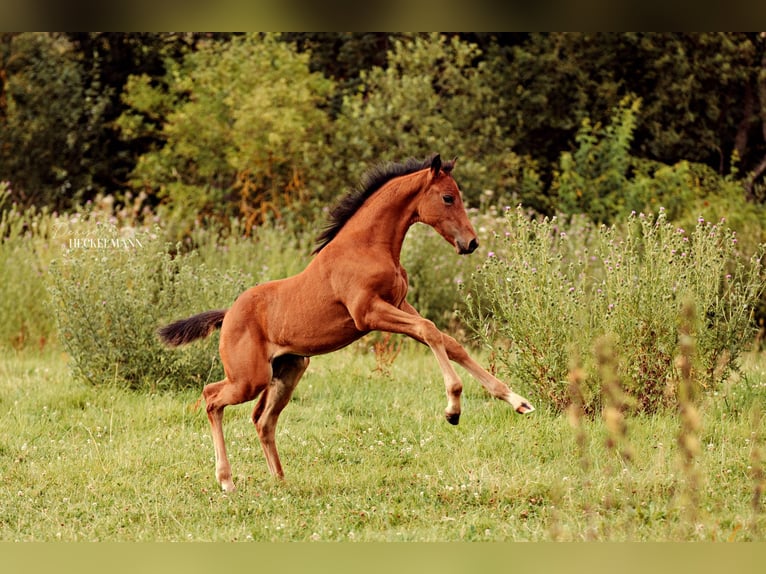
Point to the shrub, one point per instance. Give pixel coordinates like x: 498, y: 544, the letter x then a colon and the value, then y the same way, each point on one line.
x: 603, y: 180
x: 114, y: 287
x: 243, y: 127
x: 434, y: 95
x: 550, y: 290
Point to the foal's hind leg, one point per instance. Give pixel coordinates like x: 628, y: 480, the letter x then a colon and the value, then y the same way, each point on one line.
x: 288, y: 370
x: 231, y: 391
x: 211, y: 393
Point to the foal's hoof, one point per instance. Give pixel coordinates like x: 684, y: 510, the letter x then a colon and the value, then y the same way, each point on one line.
x: 524, y: 408
x: 452, y: 418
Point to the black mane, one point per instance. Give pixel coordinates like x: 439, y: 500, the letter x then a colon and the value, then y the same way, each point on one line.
x: 371, y: 182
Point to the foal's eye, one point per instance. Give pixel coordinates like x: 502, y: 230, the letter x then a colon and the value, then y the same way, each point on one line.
x: 448, y: 199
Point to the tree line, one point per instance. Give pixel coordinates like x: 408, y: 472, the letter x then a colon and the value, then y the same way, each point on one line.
x: 256, y: 125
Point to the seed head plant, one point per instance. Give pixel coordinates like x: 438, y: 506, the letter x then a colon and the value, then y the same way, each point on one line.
x: 551, y: 285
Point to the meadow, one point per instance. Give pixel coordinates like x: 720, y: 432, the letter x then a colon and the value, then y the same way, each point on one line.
x: 101, y: 440
x: 368, y: 457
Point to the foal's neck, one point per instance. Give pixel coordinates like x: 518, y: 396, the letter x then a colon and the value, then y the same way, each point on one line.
x: 386, y: 216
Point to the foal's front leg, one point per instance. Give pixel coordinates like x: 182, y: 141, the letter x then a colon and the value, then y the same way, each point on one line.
x: 380, y: 315
x: 494, y: 386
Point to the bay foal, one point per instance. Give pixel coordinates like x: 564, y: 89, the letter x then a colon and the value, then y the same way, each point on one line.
x: 355, y: 284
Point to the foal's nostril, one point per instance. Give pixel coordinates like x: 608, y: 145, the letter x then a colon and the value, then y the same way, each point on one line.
x: 471, y: 247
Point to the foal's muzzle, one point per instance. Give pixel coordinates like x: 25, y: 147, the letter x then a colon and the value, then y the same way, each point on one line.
x: 465, y: 250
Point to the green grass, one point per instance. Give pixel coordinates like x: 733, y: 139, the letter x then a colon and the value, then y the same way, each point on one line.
x: 367, y: 457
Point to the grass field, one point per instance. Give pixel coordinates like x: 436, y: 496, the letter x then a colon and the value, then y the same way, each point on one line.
x: 368, y: 457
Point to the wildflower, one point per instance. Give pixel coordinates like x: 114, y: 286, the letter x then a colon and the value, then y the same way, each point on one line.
x: 491, y: 254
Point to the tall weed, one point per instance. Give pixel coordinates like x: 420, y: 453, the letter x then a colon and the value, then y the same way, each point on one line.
x: 25, y: 249
x: 273, y: 250
x: 551, y: 288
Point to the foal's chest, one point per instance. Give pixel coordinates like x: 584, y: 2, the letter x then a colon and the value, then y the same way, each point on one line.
x: 399, y: 287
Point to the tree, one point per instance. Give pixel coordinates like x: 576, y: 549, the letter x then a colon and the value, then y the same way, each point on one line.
x: 49, y: 114
x: 434, y: 95
x: 240, y: 127
x: 702, y: 94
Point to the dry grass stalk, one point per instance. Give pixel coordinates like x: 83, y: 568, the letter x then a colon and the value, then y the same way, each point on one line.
x: 756, y: 469
x: 576, y: 417
x: 386, y: 348
x: 688, y: 436
x: 616, y: 402
x: 575, y: 413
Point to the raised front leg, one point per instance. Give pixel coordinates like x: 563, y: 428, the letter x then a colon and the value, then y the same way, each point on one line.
x: 494, y: 386
x: 380, y: 315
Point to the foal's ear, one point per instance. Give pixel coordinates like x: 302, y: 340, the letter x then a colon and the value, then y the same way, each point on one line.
x: 447, y: 167
x: 436, y: 164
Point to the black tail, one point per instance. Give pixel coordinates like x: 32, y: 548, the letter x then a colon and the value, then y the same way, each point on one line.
x: 191, y: 329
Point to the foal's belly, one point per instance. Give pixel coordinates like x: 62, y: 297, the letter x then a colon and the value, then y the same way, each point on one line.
x: 295, y: 321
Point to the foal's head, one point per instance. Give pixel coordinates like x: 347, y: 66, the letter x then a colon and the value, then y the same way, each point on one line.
x: 441, y: 207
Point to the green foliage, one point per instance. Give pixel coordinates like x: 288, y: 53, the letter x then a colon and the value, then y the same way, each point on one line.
x: 245, y: 124
x: 25, y: 250
x: 699, y: 92
x: 552, y: 289
x: 49, y: 115
x: 242, y: 125
x: 602, y: 179
x: 113, y: 288
x: 592, y: 180
x: 433, y: 96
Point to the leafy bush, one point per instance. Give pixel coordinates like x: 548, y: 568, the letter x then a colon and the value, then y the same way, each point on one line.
x: 551, y: 289
x: 434, y: 95
x: 113, y: 289
x: 603, y: 180
x: 242, y: 125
